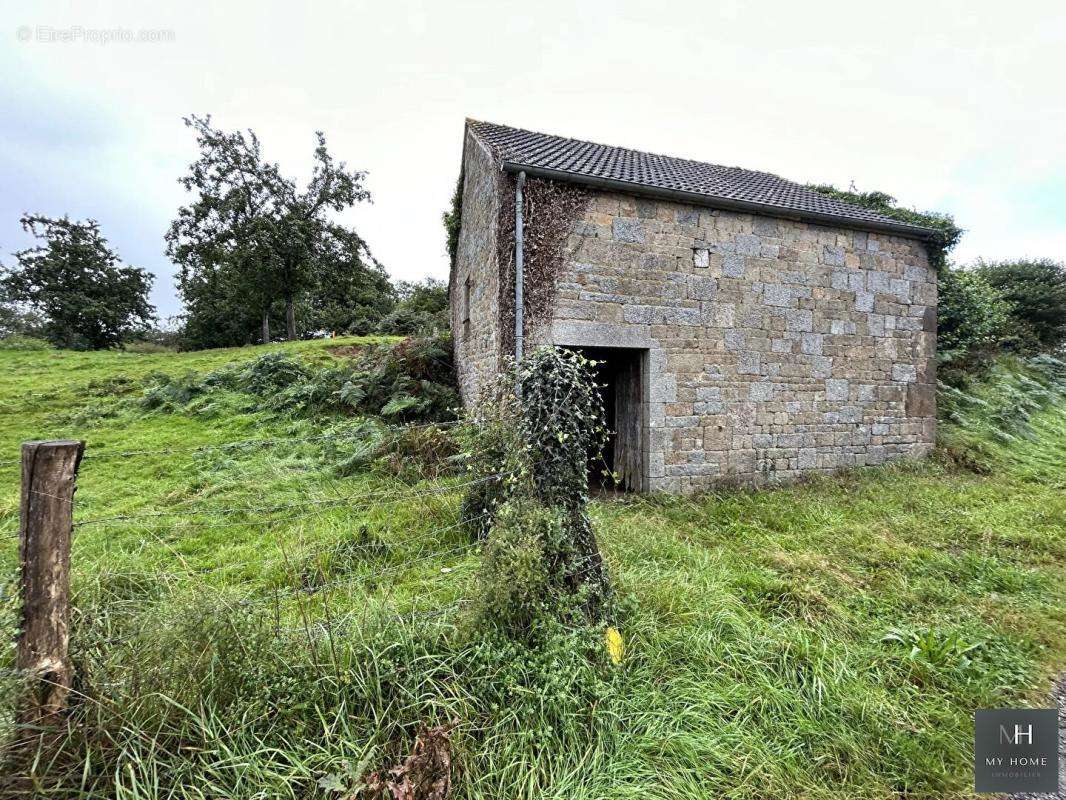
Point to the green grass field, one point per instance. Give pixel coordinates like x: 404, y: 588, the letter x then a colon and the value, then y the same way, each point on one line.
x: 753, y: 621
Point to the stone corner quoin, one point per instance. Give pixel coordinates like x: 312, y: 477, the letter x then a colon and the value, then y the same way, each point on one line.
x: 774, y: 347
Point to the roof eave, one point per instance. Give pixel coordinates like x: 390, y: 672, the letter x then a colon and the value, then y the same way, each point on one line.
x: 726, y: 203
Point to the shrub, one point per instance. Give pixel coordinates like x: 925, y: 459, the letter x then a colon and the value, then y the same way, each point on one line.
x: 171, y: 393
x: 270, y: 374
x: 1036, y: 292
x: 514, y: 582
x: 422, y: 309
x: 411, y: 380
x: 974, y: 318
x: 536, y: 449
x: 17, y: 341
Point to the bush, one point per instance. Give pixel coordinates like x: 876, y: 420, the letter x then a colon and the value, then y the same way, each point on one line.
x: 514, y: 582
x: 422, y: 309
x: 530, y: 457
x: 17, y: 341
x: 271, y: 373
x: 974, y: 318
x: 1035, y: 289
x: 410, y: 381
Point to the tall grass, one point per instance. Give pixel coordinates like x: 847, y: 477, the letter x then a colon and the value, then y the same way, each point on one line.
x: 991, y: 418
x: 758, y: 662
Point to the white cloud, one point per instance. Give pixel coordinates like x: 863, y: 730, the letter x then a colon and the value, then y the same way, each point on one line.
x: 906, y: 97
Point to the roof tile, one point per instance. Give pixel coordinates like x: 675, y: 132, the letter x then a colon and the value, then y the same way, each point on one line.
x: 589, y: 160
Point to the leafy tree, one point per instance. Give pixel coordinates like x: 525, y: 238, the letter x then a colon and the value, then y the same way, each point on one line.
x: 88, y: 300
x: 974, y: 318
x: 220, y: 241
x: 253, y: 238
x: 352, y: 293
x: 303, y: 239
x: 1036, y: 291
x: 422, y: 308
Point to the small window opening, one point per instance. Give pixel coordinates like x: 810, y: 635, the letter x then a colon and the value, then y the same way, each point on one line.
x: 466, y: 307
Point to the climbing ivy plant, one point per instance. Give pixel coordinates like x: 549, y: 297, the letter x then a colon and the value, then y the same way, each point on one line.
x: 453, y: 221
x: 529, y: 448
x: 549, y: 210
x: 947, y: 232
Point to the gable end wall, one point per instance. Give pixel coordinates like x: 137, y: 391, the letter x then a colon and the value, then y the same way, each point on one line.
x: 477, y: 355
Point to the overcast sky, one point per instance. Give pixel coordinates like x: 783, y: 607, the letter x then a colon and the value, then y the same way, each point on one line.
x: 955, y: 106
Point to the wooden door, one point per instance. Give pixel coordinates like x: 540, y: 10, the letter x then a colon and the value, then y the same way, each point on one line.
x: 629, y: 423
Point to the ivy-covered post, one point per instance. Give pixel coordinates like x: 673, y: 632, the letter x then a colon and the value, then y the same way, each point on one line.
x: 564, y: 424
x: 529, y: 449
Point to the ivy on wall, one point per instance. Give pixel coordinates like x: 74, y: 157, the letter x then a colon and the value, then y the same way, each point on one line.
x: 453, y: 221
x: 549, y: 211
x: 948, y: 233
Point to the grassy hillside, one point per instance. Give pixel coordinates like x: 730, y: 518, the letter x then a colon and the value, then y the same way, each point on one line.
x: 248, y: 644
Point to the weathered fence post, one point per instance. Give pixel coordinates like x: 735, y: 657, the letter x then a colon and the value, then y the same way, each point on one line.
x: 46, y: 521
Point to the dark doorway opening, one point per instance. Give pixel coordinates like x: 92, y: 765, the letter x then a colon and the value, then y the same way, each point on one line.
x: 620, y: 375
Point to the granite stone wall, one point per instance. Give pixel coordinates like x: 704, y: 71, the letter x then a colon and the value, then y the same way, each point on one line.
x: 774, y: 347
x: 477, y: 349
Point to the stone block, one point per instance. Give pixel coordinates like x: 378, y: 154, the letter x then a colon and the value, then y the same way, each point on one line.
x: 776, y: 294
x: 628, y: 230
x: 904, y: 373
x: 733, y: 266
x: 833, y: 256
x: 811, y: 344
x: 767, y: 226
x: 748, y: 244
x: 734, y: 340
x: 688, y: 216
x: 749, y: 363
x: 921, y: 400
x: 799, y: 319
x: 701, y: 287
x: 761, y: 391
x: 837, y: 389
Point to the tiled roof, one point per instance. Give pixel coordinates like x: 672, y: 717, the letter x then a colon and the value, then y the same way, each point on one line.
x: 603, y: 165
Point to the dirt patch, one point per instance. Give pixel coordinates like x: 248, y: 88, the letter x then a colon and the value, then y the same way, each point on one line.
x: 426, y: 774
x: 346, y: 350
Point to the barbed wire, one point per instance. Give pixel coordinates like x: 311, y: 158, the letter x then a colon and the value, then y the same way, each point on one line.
x: 303, y: 554
x: 385, y: 496
x: 251, y: 443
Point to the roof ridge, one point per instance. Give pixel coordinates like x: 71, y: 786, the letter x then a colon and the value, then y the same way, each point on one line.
x: 621, y: 147
x: 683, y: 179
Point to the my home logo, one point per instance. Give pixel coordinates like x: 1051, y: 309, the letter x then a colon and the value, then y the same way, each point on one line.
x: 1016, y: 750
x: 1021, y: 735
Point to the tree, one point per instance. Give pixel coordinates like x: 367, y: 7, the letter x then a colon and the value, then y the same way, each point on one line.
x: 74, y: 280
x: 422, y: 308
x: 352, y: 293
x: 1036, y: 291
x: 220, y: 242
x: 973, y: 316
x: 253, y: 238
x: 303, y: 238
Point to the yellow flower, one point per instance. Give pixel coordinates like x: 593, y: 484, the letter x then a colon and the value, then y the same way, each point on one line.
x: 615, y: 646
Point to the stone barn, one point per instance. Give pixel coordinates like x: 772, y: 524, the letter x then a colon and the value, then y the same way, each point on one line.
x: 749, y: 328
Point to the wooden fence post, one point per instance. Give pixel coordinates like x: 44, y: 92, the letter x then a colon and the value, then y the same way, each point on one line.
x: 46, y: 521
